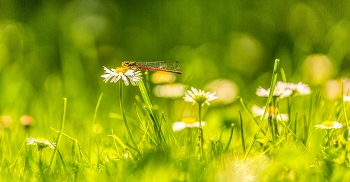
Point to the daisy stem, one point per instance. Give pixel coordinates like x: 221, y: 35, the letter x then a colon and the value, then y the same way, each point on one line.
x: 124, y: 117
x: 200, y: 137
x: 271, y: 127
x: 275, y: 105
x: 40, y: 159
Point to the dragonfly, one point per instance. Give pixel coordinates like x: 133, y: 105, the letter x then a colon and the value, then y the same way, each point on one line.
x: 167, y: 66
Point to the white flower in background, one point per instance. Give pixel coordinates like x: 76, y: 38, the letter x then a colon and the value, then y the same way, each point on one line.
x: 272, y: 111
x: 329, y: 125
x: 188, y: 122
x: 299, y: 88
x: 199, y: 96
x: 285, y: 89
x: 40, y: 142
x: 346, y: 98
x: 124, y: 73
x: 281, y: 90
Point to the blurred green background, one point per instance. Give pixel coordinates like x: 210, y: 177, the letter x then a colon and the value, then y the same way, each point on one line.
x: 55, y: 49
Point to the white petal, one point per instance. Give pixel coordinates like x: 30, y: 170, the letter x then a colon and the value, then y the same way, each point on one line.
x: 125, y: 80
x: 178, y: 126
x: 258, y: 111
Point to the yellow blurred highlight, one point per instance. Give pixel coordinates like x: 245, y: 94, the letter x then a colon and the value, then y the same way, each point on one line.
x: 245, y: 53
x: 5, y: 122
x: 317, y: 69
x: 225, y: 89
x: 160, y: 77
x: 173, y: 90
x: 97, y: 128
x: 333, y: 89
x: 189, y: 120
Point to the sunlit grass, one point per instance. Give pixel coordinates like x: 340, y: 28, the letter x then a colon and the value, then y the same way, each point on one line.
x: 136, y: 141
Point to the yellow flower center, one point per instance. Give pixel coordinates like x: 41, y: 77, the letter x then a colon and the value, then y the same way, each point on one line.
x: 121, y: 69
x: 189, y: 120
x: 272, y: 110
x: 327, y: 123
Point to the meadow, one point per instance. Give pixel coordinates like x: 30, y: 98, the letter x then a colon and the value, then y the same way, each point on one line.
x: 237, y: 91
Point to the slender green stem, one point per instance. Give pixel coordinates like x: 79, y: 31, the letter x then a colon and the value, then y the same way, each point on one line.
x: 19, y: 152
x: 149, y: 107
x: 287, y: 128
x: 51, y: 166
x: 40, y: 151
x: 272, y: 87
x: 230, y: 139
x: 251, y: 115
x: 124, y: 117
x: 269, y: 119
x: 200, y: 137
x: 250, y: 148
x: 242, y: 132
x: 295, y: 123
x: 343, y: 104
x: 93, y: 123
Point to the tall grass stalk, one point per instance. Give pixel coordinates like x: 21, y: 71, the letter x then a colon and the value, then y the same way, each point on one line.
x: 52, y: 163
x: 251, y: 115
x: 93, y: 123
x: 156, y: 124
x: 124, y: 118
x: 242, y: 131
x: 272, y: 87
x: 230, y: 139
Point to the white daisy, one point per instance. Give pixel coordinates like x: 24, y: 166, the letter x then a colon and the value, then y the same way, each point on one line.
x: 329, y: 125
x: 272, y: 111
x: 124, y: 73
x: 186, y: 123
x: 299, y: 88
x: 40, y: 142
x: 285, y: 89
x: 281, y: 90
x: 199, y: 96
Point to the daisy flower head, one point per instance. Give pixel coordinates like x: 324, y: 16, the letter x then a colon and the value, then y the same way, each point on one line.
x: 40, y: 142
x: 329, y: 125
x: 199, y: 96
x: 188, y: 122
x: 285, y: 89
x: 124, y: 73
x: 281, y: 90
x: 299, y: 88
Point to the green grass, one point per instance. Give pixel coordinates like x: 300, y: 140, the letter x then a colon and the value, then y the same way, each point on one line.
x: 51, y: 58
x: 247, y: 148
